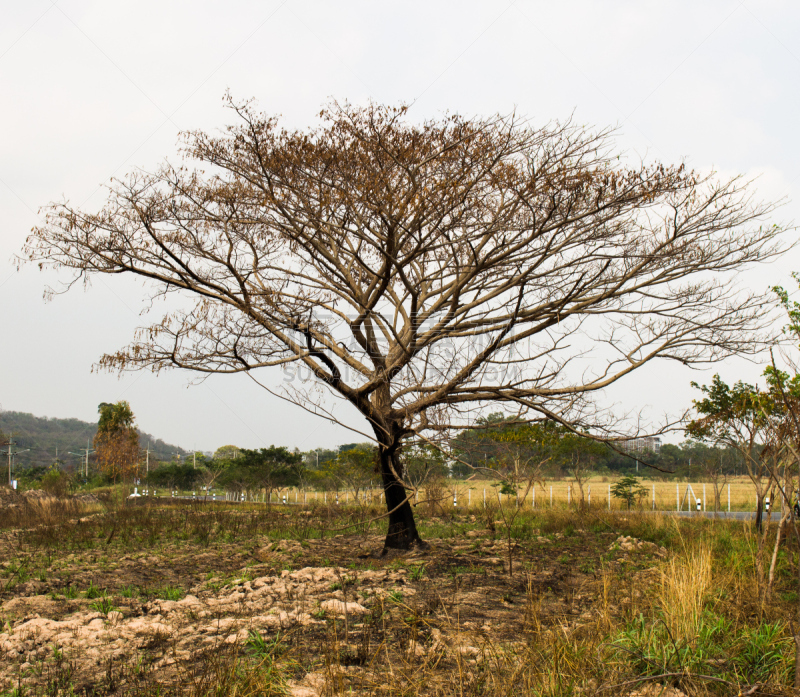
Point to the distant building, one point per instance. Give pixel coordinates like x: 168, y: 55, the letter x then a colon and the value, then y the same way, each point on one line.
x: 647, y: 444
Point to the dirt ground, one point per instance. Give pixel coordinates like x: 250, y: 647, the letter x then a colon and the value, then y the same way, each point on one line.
x: 333, y: 613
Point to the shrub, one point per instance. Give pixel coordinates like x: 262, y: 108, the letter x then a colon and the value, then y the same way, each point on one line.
x: 57, y: 482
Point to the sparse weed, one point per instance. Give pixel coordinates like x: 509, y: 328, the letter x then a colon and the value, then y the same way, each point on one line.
x: 260, y: 647
x: 93, y: 591
x: 416, y: 572
x: 635, y: 616
x: 103, y: 605
x: 395, y: 597
x: 169, y: 593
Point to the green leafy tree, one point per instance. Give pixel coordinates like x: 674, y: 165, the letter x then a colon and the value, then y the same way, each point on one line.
x: 354, y: 468
x: 226, y: 452
x: 579, y: 455
x: 57, y: 482
x: 424, y: 462
x: 737, y: 416
x: 317, y: 459
x: 266, y: 468
x: 174, y: 475
x: 629, y: 489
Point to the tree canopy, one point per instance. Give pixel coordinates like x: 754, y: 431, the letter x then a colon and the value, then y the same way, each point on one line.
x: 264, y: 468
x: 117, y: 441
x: 424, y: 270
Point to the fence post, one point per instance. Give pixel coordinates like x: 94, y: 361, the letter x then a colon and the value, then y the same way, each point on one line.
x: 677, y: 496
x: 654, y: 497
x: 469, y: 497
x: 704, y: 498
x: 590, y: 494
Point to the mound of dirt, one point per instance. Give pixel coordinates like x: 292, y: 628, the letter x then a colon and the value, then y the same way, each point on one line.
x: 37, y: 495
x: 9, y: 496
x: 206, y: 619
x: 88, y: 499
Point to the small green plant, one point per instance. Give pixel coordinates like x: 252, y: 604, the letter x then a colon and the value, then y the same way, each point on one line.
x: 629, y: 490
x: 508, y: 488
x: 70, y: 592
x: 262, y: 648
x: 395, y: 597
x: 103, y: 605
x: 763, y: 653
x: 129, y: 592
x: 457, y: 571
x: 18, y: 573
x: 415, y: 573
x: 318, y: 614
x: 93, y: 591
x: 169, y: 593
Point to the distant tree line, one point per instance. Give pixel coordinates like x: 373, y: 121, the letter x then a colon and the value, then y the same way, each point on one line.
x: 42, y: 437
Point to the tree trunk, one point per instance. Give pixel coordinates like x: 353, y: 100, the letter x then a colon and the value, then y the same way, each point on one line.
x: 774, y: 561
x: 759, y: 511
x: 402, y: 532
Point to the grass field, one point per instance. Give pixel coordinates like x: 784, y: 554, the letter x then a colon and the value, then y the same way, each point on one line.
x: 736, y: 494
x: 181, y: 598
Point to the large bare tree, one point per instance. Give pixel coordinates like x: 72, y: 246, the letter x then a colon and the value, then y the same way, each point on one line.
x: 421, y: 270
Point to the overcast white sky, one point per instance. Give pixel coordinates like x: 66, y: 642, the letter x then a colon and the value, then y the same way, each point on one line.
x: 91, y: 90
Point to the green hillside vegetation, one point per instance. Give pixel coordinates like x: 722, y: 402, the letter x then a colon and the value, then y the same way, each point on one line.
x: 43, y: 435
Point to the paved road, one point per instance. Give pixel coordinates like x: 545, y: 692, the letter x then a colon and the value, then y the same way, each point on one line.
x: 733, y: 515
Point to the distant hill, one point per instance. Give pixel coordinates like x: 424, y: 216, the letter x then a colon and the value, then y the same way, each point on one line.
x: 44, y: 435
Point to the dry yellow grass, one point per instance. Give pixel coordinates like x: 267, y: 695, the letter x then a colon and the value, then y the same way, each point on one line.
x: 667, y: 495
x: 685, y: 583
x: 736, y: 494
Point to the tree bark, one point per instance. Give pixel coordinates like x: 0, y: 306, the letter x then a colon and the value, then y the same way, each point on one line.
x: 402, y: 532
x: 759, y: 510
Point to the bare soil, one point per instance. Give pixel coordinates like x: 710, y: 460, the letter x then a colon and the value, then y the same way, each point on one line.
x: 102, y: 620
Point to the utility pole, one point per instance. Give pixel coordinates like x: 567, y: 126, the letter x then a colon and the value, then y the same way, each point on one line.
x: 11, y: 454
x: 85, y: 453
